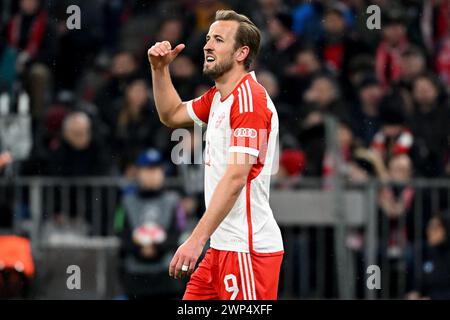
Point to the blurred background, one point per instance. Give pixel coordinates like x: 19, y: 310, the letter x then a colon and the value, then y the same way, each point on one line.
x: 86, y: 176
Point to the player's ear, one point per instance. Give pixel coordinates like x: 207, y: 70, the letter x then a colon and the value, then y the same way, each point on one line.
x: 242, y: 53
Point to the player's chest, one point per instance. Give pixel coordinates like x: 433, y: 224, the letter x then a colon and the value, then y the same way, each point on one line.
x: 219, y: 119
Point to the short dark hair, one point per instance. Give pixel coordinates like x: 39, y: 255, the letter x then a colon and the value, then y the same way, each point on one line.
x: 247, y: 34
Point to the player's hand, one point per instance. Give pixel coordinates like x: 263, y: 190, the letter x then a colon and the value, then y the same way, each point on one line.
x: 187, y: 254
x: 161, y: 54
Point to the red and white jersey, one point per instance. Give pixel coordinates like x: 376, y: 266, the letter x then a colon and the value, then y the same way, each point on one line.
x: 245, y: 121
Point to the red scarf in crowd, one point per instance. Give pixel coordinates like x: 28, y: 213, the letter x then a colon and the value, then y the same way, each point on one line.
x: 401, y: 145
x: 35, y: 34
x: 387, y: 62
x: 434, y: 23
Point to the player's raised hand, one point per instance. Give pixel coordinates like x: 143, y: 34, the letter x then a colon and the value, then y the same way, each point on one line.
x: 161, y: 54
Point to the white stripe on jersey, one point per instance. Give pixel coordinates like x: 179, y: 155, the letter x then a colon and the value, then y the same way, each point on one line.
x: 244, y: 91
x: 247, y: 278
x: 240, y: 100
x: 242, y: 276
x: 251, y: 275
x: 250, y: 98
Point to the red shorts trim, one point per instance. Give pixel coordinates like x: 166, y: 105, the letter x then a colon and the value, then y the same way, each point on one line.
x: 229, y: 275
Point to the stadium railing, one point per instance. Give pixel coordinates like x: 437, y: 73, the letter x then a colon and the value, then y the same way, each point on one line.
x: 331, y: 235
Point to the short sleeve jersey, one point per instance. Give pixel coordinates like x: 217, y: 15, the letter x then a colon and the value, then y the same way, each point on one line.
x: 246, y: 122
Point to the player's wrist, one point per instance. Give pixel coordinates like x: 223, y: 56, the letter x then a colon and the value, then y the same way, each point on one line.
x: 199, y: 239
x: 162, y: 68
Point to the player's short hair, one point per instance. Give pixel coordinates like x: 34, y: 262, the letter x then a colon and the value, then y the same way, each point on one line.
x: 247, y: 34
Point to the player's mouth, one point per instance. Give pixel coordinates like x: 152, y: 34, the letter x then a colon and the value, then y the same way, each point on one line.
x: 210, y: 59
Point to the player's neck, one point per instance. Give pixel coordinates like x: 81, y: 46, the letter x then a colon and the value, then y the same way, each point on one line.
x: 226, y: 83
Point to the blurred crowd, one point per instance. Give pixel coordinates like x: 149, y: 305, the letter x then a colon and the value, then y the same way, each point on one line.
x: 86, y: 98
x: 91, y: 105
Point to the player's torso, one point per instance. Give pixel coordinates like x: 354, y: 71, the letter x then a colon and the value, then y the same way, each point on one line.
x: 233, y: 232
x: 218, y: 135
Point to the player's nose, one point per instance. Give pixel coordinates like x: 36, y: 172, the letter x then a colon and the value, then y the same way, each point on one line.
x: 208, y: 47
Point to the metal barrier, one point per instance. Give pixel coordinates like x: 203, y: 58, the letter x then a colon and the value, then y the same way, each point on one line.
x: 396, y: 245
x: 321, y: 258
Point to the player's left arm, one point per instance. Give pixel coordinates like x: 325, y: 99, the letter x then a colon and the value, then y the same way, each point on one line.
x: 223, y: 199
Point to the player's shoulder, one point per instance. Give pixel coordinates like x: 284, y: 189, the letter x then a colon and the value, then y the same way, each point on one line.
x: 256, y: 90
x: 208, y: 94
x: 250, y: 97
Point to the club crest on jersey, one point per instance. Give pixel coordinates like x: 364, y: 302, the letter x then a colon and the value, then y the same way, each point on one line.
x: 245, y: 133
x: 219, y: 120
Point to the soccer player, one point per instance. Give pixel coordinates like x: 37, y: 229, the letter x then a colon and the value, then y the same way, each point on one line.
x: 246, y: 247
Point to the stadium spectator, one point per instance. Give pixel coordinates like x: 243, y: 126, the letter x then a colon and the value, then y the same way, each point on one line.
x: 152, y: 222
x: 171, y: 29
x: 137, y: 126
x: 79, y: 46
x: 396, y: 226
x: 366, y: 114
x: 321, y: 99
x: 190, y: 167
x: 287, y: 114
x: 205, y: 11
x: 435, y: 282
x: 346, y: 140
x: 31, y: 33
x: 8, y: 73
x: 390, y: 49
x: 396, y: 201
x: 359, y: 68
x: 79, y: 154
x: 347, y: 143
x: 442, y: 62
x: 306, y: 19
x: 412, y: 64
x: 430, y: 126
x: 115, y: 14
x: 363, y: 166
x: 434, y: 23
x: 324, y: 96
x: 278, y: 53
x: 337, y: 44
x: 266, y: 9
x: 394, y: 137
x: 123, y: 68
x: 299, y: 75
x: 184, y: 76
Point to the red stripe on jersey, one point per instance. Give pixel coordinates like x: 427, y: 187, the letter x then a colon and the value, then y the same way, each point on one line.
x: 249, y: 217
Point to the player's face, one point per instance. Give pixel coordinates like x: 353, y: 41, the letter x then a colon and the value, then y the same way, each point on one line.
x: 220, y: 48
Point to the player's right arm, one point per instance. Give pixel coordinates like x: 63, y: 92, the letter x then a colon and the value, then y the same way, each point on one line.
x: 171, y: 110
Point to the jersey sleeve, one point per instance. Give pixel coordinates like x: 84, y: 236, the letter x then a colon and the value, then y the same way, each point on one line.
x: 198, y: 109
x: 250, y: 125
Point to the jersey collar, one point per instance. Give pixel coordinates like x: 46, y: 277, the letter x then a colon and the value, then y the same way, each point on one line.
x: 246, y: 77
